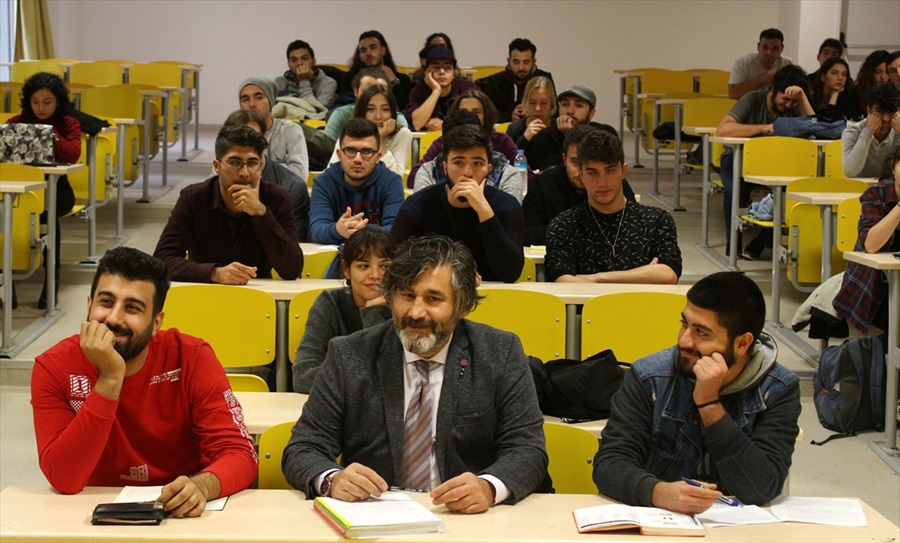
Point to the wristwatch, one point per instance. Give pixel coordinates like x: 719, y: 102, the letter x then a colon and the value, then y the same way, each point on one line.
x: 325, y: 488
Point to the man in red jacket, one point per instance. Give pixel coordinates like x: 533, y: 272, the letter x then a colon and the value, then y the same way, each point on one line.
x: 125, y: 403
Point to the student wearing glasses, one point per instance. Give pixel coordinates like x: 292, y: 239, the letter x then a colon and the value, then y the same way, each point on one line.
x: 430, y: 99
x: 355, y: 191
x: 232, y: 227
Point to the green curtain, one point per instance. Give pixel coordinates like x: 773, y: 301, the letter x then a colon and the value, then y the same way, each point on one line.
x: 33, y: 38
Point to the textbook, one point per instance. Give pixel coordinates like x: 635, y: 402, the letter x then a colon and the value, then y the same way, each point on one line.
x: 649, y: 520
x: 394, y: 513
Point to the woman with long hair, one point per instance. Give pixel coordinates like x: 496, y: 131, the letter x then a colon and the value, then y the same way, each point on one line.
x: 539, y: 106
x: 872, y: 73
x: 833, y: 94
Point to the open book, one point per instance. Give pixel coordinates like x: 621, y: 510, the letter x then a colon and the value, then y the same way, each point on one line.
x: 394, y: 513
x: 650, y: 520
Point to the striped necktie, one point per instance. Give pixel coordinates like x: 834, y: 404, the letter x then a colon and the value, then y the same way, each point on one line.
x: 415, y: 471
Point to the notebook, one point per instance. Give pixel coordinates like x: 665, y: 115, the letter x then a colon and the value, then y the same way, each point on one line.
x: 649, y: 520
x: 23, y: 143
x: 394, y: 513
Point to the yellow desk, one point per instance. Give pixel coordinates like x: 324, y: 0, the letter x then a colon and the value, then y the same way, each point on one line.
x: 887, y: 450
x: 36, y: 513
x: 827, y: 203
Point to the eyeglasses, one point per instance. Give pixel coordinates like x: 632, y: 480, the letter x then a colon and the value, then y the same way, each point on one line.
x: 442, y: 67
x: 253, y: 165
x: 366, y: 153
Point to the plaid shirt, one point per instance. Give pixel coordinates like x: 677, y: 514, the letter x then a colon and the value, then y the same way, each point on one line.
x: 863, y: 287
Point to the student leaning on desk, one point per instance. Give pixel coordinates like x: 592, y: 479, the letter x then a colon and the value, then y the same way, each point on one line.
x: 716, y: 408
x: 125, y: 403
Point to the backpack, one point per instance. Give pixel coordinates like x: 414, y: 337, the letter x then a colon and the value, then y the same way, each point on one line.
x: 848, y: 387
x: 572, y: 389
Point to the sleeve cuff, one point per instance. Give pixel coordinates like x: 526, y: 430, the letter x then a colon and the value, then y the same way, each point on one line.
x: 317, y: 482
x: 501, y: 491
x: 643, y: 492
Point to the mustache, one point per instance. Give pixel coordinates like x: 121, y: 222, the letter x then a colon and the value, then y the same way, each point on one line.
x: 119, y: 330
x: 692, y: 353
x: 417, y: 323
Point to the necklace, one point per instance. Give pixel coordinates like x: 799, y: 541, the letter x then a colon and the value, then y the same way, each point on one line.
x: 602, y: 233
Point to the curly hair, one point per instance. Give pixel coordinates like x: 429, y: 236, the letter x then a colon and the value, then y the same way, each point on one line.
x: 51, y: 82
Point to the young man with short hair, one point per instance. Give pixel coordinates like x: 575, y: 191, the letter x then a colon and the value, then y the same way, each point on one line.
x: 507, y: 88
x: 755, y: 71
x: 430, y: 99
x: 126, y: 403
x: 869, y: 143
x: 302, y: 79
x: 467, y: 209
x: 558, y: 188
x: 717, y: 408
x: 232, y: 227
x: 428, y: 401
x: 287, y: 144
x: 356, y: 191
x: 608, y: 239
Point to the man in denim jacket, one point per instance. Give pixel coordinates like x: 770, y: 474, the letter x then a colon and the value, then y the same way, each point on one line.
x: 717, y: 408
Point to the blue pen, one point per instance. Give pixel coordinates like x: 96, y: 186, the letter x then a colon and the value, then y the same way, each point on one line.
x: 724, y: 499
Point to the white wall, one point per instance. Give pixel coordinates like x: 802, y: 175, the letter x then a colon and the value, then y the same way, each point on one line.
x: 577, y: 40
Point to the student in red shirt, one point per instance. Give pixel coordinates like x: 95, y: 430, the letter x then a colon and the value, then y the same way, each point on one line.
x: 125, y: 403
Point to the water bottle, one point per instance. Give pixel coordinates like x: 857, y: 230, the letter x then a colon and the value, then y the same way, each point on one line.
x: 521, y: 165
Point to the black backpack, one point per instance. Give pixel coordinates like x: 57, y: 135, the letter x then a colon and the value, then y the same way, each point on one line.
x: 576, y: 390
x: 848, y: 387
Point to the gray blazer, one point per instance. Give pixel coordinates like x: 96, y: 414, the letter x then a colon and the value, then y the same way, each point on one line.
x: 488, y: 418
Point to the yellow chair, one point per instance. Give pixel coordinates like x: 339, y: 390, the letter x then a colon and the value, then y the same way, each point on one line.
x: 501, y: 127
x: 164, y: 75
x: 529, y: 272
x: 238, y: 322
x: 705, y: 112
x: 571, y: 452
x: 155, y: 117
x: 633, y: 324
x: 271, y: 449
x: 316, y: 264
x: 311, y: 178
x: 22, y: 70
x: 247, y: 382
x: 666, y: 114
x: 342, y: 67
x: 779, y: 155
x: 298, y: 312
x: 11, y: 93
x: 834, y: 159
x: 628, y: 106
x: 100, y: 73
x: 848, y: 215
x: 804, y: 225
x: 714, y: 82
x: 104, y: 170
x: 122, y: 103
x: 538, y: 319
x: 480, y: 72
x: 426, y: 140
x: 27, y: 208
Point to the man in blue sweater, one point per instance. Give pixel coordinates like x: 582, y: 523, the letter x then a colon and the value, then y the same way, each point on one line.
x: 356, y: 191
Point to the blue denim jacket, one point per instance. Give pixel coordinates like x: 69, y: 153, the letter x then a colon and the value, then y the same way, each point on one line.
x: 655, y: 434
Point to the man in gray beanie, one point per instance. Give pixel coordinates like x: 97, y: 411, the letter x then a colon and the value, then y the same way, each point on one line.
x: 287, y: 145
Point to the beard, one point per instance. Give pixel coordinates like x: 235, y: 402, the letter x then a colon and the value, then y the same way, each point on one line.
x: 133, y: 344
x: 427, y: 343
x: 687, y: 359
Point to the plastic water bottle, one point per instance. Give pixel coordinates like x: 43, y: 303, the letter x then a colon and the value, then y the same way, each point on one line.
x: 521, y: 164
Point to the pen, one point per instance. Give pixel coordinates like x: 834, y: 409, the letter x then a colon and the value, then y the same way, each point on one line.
x: 724, y: 499
x: 400, y: 488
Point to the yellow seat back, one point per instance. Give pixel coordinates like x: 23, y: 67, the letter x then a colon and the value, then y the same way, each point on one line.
x: 780, y: 155
x: 501, y: 127
x: 247, y: 382
x: 22, y: 70
x: 316, y: 264
x: 181, y: 68
x: 714, y: 82
x: 426, y: 140
x: 298, y: 313
x: 834, y: 159
x: 11, y: 95
x: 632, y: 324
x: 271, y: 449
x: 163, y: 74
x: 155, y: 116
x: 629, y: 95
x: 538, y: 319
x: 706, y: 112
x: 529, y: 272
x: 666, y: 115
x: 100, y: 73
x: 571, y: 451
x: 104, y: 174
x: 318, y: 124
x: 27, y: 208
x: 123, y: 103
x: 480, y: 72
x: 238, y: 322
x: 848, y: 215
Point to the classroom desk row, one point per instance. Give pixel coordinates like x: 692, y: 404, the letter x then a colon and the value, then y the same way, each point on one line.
x: 37, y: 513
x: 263, y: 410
x: 572, y: 295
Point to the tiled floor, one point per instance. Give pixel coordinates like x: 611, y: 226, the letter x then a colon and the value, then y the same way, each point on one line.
x: 841, y: 468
